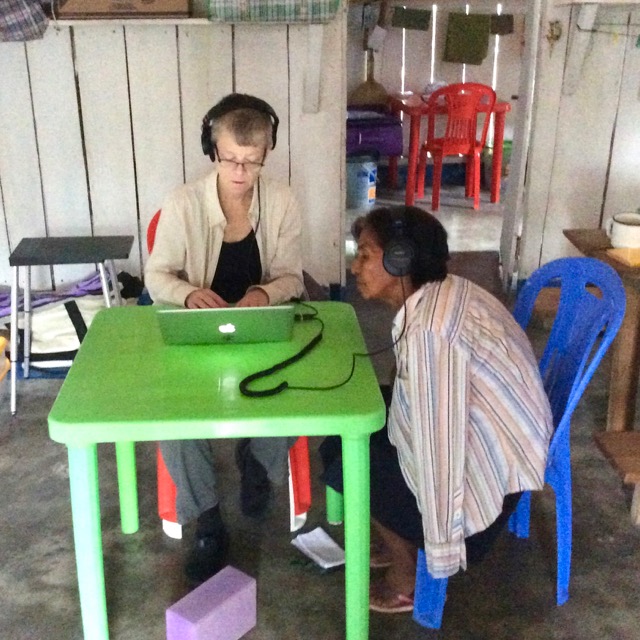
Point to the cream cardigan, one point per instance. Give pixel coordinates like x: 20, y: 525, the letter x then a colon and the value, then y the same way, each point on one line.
x: 189, y: 238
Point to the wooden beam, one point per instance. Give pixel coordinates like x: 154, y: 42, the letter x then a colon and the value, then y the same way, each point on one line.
x: 311, y: 100
x: 578, y: 47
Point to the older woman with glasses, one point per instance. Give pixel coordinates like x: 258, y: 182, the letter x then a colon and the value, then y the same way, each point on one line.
x: 231, y: 237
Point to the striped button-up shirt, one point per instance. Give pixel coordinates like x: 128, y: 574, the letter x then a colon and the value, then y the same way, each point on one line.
x: 469, y: 414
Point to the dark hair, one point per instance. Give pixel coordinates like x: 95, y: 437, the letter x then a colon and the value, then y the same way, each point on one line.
x: 423, y: 230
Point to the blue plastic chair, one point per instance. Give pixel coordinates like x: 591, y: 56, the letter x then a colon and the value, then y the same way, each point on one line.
x: 584, y: 327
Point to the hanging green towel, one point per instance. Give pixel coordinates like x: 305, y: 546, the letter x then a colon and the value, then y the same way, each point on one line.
x: 501, y: 25
x: 404, y: 18
x: 467, y: 38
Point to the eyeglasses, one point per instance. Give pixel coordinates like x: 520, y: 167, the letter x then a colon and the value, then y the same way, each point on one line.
x: 248, y: 165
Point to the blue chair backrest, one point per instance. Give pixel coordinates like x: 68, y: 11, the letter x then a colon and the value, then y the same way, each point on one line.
x: 590, y: 311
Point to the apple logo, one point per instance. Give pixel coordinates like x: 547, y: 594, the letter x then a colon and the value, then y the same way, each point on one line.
x: 227, y: 328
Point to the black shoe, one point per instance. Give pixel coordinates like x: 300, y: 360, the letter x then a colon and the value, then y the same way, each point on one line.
x: 208, y: 556
x: 255, y: 487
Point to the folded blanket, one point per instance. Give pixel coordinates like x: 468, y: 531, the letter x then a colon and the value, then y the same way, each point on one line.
x: 22, y: 20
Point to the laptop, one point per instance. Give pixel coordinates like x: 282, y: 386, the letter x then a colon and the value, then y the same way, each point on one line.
x: 229, y: 325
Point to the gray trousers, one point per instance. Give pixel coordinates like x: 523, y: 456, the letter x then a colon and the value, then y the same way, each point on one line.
x: 191, y: 466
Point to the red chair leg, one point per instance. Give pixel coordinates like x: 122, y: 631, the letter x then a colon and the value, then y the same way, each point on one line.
x: 300, y: 489
x: 300, y: 482
x: 421, y: 172
x: 167, y: 499
x: 469, y: 180
x: 476, y: 180
x: 437, y: 177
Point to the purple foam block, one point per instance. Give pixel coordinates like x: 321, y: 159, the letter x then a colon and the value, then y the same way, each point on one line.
x: 222, y: 608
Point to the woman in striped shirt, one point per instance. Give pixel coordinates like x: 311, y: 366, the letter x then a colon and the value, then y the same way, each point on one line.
x: 469, y: 422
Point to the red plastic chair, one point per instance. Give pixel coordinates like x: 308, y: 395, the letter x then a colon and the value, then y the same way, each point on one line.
x: 299, y: 468
x: 460, y: 104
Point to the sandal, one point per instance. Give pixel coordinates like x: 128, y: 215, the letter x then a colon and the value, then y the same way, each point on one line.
x: 384, y: 600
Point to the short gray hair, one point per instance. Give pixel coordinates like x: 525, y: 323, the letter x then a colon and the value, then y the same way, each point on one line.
x: 249, y: 127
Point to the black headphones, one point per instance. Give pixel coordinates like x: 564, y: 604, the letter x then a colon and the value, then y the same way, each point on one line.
x: 233, y: 102
x: 399, y: 252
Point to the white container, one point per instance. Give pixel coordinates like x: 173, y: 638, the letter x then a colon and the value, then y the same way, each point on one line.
x: 624, y: 231
x: 361, y: 183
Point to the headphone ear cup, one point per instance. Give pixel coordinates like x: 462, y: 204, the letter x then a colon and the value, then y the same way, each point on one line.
x: 205, y: 138
x: 398, y: 257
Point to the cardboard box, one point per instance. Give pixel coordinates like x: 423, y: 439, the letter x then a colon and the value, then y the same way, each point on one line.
x: 123, y: 9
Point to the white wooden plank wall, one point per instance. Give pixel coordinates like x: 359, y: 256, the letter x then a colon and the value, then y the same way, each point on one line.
x: 579, y: 177
x: 315, y: 152
x: 623, y: 187
x: 584, y: 164
x: 99, y: 122
x: 21, y: 188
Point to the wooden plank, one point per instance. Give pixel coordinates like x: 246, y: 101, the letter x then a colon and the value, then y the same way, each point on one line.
x: 514, y: 202
x: 623, y: 187
x: 155, y: 115
x: 23, y: 208
x: 623, y: 452
x: 511, y: 64
x: 266, y: 76
x: 4, y: 243
x: 582, y: 146
x: 579, y: 42
x: 318, y: 153
x: 100, y: 63
x: 205, y: 58
x: 635, y: 506
x: 389, y: 64
x: 312, y: 69
x: 417, y: 60
x: 545, y: 123
x: 61, y: 157
x: 355, y: 52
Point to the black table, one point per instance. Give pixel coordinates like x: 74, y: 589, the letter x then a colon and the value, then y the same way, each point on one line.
x: 102, y: 250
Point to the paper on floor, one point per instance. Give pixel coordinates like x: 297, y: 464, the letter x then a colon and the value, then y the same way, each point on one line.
x: 320, y: 547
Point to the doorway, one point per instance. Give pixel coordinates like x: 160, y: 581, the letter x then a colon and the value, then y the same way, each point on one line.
x: 409, y: 60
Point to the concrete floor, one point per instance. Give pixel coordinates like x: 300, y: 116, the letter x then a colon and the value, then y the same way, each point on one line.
x: 510, y: 595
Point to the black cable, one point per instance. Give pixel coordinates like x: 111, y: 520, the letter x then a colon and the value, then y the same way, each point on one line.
x: 361, y: 355
x: 259, y: 210
x: 244, y: 384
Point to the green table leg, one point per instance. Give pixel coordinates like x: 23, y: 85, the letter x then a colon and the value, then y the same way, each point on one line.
x: 127, y: 486
x: 335, y: 506
x: 85, y: 510
x: 355, y: 455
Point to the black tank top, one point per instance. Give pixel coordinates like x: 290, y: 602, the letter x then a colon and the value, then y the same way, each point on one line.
x: 238, y: 268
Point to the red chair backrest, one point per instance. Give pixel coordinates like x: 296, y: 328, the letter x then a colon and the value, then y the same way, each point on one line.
x: 151, y: 230
x: 460, y: 103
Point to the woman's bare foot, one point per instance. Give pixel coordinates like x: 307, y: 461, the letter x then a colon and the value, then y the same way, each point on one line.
x: 384, y: 599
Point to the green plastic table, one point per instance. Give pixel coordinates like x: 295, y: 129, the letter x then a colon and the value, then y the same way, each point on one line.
x: 125, y: 386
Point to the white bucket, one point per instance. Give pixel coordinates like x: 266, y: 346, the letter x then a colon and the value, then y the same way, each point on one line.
x: 361, y: 183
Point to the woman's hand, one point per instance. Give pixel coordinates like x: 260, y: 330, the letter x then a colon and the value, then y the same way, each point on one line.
x: 204, y: 299
x: 254, y: 298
